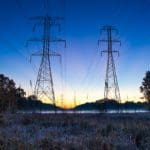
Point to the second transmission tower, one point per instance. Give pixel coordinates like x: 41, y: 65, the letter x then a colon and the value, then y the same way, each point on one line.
x: 111, y: 90
x: 44, y: 87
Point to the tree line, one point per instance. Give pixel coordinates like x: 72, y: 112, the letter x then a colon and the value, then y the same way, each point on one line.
x: 9, y: 94
x: 13, y: 98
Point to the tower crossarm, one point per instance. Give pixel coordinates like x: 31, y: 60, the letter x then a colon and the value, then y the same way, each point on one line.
x: 50, y: 54
x: 113, y: 41
x: 49, y: 40
x: 108, y: 27
x: 48, y: 17
x: 106, y: 51
x: 52, y: 21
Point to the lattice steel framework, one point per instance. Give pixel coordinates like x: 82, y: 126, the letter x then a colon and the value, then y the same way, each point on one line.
x: 44, y: 87
x: 111, y: 89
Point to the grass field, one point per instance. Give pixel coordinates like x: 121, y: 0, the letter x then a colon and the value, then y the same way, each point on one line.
x: 75, y: 131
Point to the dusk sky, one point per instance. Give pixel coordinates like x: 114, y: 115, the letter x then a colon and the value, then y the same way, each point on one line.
x: 83, y: 66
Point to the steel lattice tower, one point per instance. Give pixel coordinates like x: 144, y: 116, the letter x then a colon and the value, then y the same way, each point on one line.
x: 44, y: 87
x: 111, y: 90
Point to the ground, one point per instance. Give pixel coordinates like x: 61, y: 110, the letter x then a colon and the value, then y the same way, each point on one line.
x: 75, y: 131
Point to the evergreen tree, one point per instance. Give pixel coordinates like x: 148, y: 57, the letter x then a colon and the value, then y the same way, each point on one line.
x: 145, y: 88
x: 9, y: 94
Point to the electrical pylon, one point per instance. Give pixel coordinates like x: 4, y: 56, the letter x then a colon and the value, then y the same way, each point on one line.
x: 111, y: 90
x: 44, y: 87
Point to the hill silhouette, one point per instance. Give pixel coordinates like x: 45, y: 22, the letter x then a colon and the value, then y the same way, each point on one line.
x: 112, y: 105
x: 30, y: 104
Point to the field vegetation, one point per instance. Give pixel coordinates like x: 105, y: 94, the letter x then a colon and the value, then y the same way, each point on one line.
x: 75, y: 131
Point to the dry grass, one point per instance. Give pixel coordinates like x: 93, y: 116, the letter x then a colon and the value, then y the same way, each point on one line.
x: 75, y: 132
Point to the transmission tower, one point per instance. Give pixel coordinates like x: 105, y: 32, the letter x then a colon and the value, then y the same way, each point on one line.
x: 44, y: 87
x: 111, y: 90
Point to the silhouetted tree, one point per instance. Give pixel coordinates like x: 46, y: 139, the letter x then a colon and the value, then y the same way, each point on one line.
x: 9, y: 94
x: 20, y: 93
x: 145, y: 88
x: 32, y: 97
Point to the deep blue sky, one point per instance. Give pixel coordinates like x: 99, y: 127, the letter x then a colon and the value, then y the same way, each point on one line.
x: 85, y: 68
